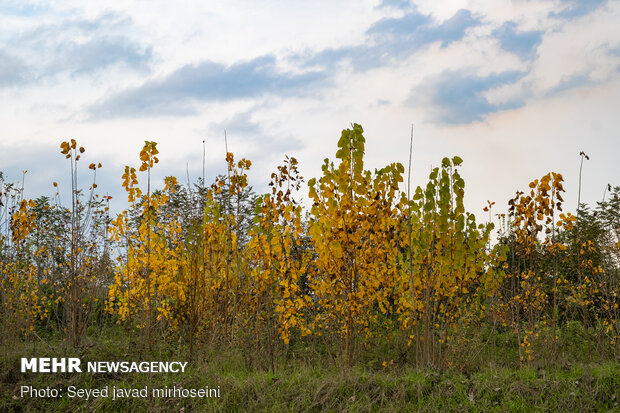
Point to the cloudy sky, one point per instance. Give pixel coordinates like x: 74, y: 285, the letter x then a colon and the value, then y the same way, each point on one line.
x: 517, y: 88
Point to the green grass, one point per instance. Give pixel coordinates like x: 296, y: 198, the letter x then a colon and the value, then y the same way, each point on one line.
x: 310, y: 384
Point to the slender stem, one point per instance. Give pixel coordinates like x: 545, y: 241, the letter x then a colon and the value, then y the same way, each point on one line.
x: 579, y: 193
x: 148, y: 252
x: 228, y: 231
x: 409, y: 169
x: 410, y: 233
x: 583, y: 155
x: 189, y: 185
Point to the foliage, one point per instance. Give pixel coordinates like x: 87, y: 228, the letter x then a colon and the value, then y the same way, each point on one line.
x: 353, y: 227
x: 447, y: 273
x: 365, y: 266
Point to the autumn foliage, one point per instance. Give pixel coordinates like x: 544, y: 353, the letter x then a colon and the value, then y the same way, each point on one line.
x: 365, y: 263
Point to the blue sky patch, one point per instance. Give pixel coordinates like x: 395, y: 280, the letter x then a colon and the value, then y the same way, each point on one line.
x: 415, y: 30
x: 74, y: 47
x: 523, y: 44
x: 577, y: 8
x: 207, y: 81
x: 101, y: 52
x: 395, y: 4
x: 395, y: 38
x: 459, y: 95
x: 13, y: 71
x: 570, y: 82
x: 22, y: 8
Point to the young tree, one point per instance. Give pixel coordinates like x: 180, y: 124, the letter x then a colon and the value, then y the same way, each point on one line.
x: 352, y: 228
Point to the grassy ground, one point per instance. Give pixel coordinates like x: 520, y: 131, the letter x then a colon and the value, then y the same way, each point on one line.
x: 306, y: 385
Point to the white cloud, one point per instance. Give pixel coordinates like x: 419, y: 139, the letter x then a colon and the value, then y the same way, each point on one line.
x: 579, y: 47
x: 568, y: 94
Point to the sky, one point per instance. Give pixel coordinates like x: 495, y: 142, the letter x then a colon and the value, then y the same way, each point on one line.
x: 517, y: 88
